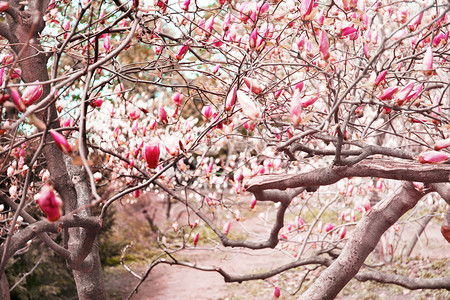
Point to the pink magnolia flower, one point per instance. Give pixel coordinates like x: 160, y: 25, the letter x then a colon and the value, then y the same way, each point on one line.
x: 416, y: 22
x: 381, y: 77
x: 118, y: 89
x: 226, y: 228
x: 183, y: 50
x: 61, y: 141
x: 163, y: 115
x: 178, y: 98
x: 231, y: 98
x: 276, y: 292
x: 209, y: 24
x: 253, y: 203
x: 50, y: 204
x: 3, y: 6
x: 301, y: 41
x: 299, y: 86
x: 197, y: 236
x: 13, y: 191
x: 32, y: 93
x: 388, y: 93
x: 347, y: 31
x: 134, y: 114
x: 307, y: 101
x: 296, y: 108
x: 206, y: 112
x: 253, y: 85
x: 106, y: 43
x: 151, y: 154
x: 366, y: 204
x: 433, y: 157
x: 248, y: 105
x: 366, y: 50
x: 186, y: 4
x: 404, y: 94
x: 328, y: 227
x: 16, y: 73
x: 321, y: 17
x: 226, y: 22
x: 306, y: 7
x: 253, y: 39
x: 20, y: 105
x: 427, y: 64
x: 442, y: 144
x: 97, y: 102
x: 324, y: 46
x: 342, y: 232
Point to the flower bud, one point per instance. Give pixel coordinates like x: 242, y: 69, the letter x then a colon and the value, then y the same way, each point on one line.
x: 20, y: 105
x: 253, y: 39
x: 306, y: 8
x: 249, y: 106
x: 178, y: 98
x: 433, y: 157
x: 381, y: 77
x: 61, y: 142
x: 32, y: 93
x: 231, y: 98
x: 50, y: 204
x: 253, y: 203
x: 3, y: 6
x: 226, y: 228
x: 342, y: 232
x: 427, y: 64
x: 328, y: 227
x: 388, y: 93
x: 183, y: 50
x: 206, y: 112
x: 196, y: 239
x: 151, y: 154
x: 253, y: 85
x: 276, y: 292
x: 442, y: 144
x: 324, y: 46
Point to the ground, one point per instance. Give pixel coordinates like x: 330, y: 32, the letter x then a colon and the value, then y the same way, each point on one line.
x: 432, y: 257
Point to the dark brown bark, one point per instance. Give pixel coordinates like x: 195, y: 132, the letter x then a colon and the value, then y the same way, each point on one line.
x: 362, y: 242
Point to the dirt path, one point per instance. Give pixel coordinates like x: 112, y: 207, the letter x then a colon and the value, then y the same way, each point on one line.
x: 177, y: 282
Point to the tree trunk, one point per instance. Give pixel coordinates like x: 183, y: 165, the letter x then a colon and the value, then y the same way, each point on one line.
x: 362, y: 242
x: 4, y: 287
x: 74, y: 193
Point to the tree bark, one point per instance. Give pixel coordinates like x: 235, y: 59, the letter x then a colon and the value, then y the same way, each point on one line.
x: 4, y: 287
x: 362, y: 242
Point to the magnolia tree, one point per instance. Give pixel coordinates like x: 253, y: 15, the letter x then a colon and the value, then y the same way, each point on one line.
x: 226, y: 107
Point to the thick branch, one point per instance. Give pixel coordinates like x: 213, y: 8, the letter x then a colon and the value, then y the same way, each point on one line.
x: 21, y: 238
x: 408, y: 171
x: 407, y: 282
x: 362, y: 242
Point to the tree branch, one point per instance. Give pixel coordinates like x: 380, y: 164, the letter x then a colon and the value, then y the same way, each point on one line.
x: 362, y: 242
x: 408, y: 171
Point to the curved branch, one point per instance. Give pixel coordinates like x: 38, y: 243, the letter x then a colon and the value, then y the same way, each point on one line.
x: 271, y: 242
x: 407, y: 171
